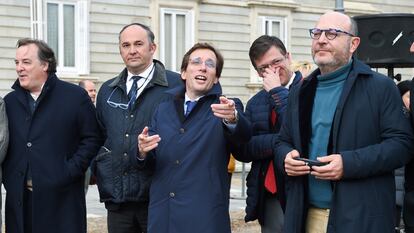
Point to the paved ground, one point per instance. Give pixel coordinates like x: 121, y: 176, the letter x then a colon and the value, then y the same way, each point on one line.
x: 97, y: 212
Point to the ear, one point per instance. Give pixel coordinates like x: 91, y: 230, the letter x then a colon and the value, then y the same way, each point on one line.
x: 153, y: 48
x: 216, y: 80
x: 183, y: 75
x: 412, y: 48
x: 45, y: 66
x: 354, y: 44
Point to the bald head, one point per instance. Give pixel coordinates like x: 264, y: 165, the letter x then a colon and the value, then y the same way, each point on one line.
x: 412, y: 48
x: 89, y: 86
x: 338, y: 20
x: 335, y: 50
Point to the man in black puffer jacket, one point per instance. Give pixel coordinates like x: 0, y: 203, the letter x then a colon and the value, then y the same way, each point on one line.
x: 265, y: 192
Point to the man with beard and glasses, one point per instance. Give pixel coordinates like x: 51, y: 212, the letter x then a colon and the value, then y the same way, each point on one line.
x: 349, y: 121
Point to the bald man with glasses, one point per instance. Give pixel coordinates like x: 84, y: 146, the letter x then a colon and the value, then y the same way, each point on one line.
x: 348, y: 120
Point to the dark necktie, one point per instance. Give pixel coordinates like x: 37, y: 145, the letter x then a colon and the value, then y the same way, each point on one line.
x: 190, y: 105
x: 132, y: 94
x: 270, y: 178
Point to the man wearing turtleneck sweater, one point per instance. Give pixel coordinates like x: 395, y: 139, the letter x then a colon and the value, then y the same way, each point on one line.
x: 349, y: 118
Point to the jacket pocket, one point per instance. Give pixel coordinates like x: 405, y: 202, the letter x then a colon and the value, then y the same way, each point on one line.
x: 104, y: 174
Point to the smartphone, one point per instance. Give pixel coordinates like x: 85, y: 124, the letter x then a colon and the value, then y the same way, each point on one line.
x: 311, y: 162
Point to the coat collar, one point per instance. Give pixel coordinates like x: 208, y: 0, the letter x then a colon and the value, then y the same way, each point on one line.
x: 22, y: 93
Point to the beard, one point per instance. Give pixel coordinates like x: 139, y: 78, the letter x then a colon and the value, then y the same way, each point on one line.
x: 337, y: 59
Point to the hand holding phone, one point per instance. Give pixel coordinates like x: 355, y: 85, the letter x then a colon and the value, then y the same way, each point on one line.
x: 310, y: 162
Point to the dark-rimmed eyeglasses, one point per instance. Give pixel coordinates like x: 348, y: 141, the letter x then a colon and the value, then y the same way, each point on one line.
x: 275, y: 62
x: 330, y: 33
x: 117, y: 105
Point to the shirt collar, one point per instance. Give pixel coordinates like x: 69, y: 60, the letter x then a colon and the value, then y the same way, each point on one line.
x: 146, y: 74
x: 186, y: 98
x: 291, y: 80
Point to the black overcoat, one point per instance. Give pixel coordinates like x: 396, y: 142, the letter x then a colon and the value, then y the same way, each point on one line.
x: 58, y: 141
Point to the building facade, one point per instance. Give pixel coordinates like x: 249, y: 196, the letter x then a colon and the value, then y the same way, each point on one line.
x: 84, y: 33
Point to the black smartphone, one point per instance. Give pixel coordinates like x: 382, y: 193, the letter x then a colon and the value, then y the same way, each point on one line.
x: 311, y: 162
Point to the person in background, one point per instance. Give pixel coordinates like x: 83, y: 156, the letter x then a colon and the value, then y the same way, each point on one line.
x: 188, y: 144
x: 404, y: 88
x: 231, y: 167
x: 408, y: 206
x: 304, y: 67
x: 89, y: 86
x: 125, y: 104
x: 348, y: 120
x: 54, y: 135
x: 265, y: 110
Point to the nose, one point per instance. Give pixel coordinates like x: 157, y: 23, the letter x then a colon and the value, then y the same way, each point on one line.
x: 133, y: 49
x: 19, y: 67
x: 322, y: 38
x: 203, y: 66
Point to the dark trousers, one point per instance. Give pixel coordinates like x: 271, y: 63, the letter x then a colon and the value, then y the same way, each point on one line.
x: 27, y: 211
x: 129, y: 217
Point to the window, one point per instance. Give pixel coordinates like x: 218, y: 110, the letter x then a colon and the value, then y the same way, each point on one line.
x: 176, y: 36
x: 274, y: 26
x: 64, y: 26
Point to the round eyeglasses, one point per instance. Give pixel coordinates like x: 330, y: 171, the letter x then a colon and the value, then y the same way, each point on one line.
x: 330, y: 33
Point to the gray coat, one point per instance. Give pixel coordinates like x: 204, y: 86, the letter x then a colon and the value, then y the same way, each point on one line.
x: 4, y: 140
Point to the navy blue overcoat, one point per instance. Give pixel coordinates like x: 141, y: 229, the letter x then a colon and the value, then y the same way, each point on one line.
x: 373, y: 136
x: 189, y: 191
x: 58, y: 141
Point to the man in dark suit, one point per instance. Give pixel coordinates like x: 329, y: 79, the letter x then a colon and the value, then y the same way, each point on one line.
x: 54, y: 135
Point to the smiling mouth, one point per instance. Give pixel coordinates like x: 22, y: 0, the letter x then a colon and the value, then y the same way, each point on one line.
x: 200, y: 77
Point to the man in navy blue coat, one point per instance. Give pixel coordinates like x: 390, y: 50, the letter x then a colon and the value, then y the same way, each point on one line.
x: 351, y: 119
x: 54, y: 135
x: 265, y: 111
x: 192, y: 136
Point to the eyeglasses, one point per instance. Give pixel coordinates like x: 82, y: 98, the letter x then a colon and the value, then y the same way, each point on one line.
x: 122, y: 105
x: 275, y: 62
x: 117, y: 105
x: 330, y: 33
x: 197, y: 62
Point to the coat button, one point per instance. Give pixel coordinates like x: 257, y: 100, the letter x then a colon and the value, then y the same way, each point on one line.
x: 125, y: 154
x: 126, y: 135
x: 172, y: 195
x: 182, y: 130
x: 132, y: 116
x: 29, y: 144
x: 177, y: 162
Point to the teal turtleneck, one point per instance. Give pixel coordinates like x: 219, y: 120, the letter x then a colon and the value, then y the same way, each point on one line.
x: 326, y: 99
